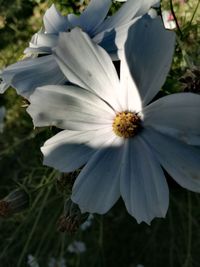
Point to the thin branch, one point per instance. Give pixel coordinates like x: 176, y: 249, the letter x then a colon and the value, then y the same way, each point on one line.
x: 175, y: 18
x: 195, y: 11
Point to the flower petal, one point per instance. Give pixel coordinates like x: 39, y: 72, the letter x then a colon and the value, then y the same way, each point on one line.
x: 69, y: 107
x: 149, y: 49
x: 43, y: 42
x: 96, y: 189
x: 3, y: 85
x: 180, y: 160
x: 129, y: 10
x: 143, y: 185
x: 28, y: 74
x: 87, y: 65
x: 54, y: 22
x: 35, y: 51
x: 129, y: 93
x: 177, y: 115
x: 69, y: 150
x: 113, y: 40
x: 92, y: 17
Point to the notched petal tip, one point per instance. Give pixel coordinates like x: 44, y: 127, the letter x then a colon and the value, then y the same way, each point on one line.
x: 54, y: 22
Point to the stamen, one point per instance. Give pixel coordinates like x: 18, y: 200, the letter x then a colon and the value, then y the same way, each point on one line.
x: 126, y: 124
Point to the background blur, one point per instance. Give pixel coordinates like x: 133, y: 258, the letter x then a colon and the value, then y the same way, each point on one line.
x: 111, y: 240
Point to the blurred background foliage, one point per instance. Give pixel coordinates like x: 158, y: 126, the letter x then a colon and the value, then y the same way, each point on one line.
x: 114, y: 239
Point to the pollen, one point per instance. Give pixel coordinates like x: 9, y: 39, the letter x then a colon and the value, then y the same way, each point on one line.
x: 126, y: 124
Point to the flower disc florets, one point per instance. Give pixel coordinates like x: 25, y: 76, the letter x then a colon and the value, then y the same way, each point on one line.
x: 126, y: 124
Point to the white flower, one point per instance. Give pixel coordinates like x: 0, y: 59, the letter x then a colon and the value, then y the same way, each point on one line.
x: 87, y: 223
x: 2, y: 115
x: 109, y: 33
x: 112, y: 128
x: 57, y: 263
x: 32, y: 261
x: 168, y: 20
x: 77, y: 247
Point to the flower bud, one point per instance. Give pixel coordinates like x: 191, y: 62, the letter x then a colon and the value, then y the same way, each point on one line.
x: 65, y: 181
x: 16, y: 201
x: 72, y: 217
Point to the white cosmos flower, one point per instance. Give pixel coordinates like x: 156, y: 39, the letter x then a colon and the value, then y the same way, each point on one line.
x: 32, y: 261
x: 168, y: 20
x: 77, y: 247
x: 111, y: 127
x: 108, y: 32
x: 87, y: 224
x: 59, y: 263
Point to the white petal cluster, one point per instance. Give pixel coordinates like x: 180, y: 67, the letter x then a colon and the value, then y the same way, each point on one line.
x: 77, y: 247
x: 116, y: 166
x: 32, y: 262
x: 168, y: 20
x: 85, y: 109
x: 108, y: 32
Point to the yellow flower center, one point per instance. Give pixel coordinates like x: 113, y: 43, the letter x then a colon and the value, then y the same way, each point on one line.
x: 126, y: 124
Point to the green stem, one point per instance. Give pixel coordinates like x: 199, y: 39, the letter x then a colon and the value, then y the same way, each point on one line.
x: 195, y: 11
x: 175, y: 18
x: 34, y: 227
x: 101, y: 241
x: 189, y: 239
x: 21, y: 226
